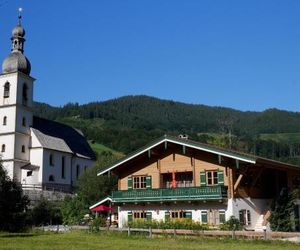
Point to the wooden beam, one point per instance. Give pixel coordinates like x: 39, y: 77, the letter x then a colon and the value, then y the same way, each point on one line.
x: 166, y: 145
x: 237, y: 183
x: 149, y: 153
x: 183, y: 149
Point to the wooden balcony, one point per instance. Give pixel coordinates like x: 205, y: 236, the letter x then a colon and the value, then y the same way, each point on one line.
x: 204, y: 193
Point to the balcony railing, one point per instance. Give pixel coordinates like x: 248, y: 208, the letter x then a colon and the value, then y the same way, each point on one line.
x: 169, y: 194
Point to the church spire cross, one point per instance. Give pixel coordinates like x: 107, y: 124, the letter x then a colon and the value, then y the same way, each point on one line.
x: 20, y: 16
x: 18, y: 34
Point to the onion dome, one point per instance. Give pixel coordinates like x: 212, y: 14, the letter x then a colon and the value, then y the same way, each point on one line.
x: 16, y: 61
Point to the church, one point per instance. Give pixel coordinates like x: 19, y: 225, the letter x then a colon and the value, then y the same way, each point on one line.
x: 35, y: 152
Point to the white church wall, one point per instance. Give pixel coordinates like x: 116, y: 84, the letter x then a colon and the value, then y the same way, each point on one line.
x: 56, y: 168
x: 12, y: 79
x: 27, y: 115
x: 9, y: 168
x: 36, y: 159
x: 82, y: 164
x: 20, y: 141
x: 10, y: 114
x: 9, y: 142
x: 34, y: 141
x: 23, y: 79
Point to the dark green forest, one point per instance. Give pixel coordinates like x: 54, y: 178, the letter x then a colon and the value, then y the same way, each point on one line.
x: 127, y: 123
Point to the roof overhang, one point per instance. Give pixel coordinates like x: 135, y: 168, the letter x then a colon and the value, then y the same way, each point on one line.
x: 100, y: 202
x: 187, y: 143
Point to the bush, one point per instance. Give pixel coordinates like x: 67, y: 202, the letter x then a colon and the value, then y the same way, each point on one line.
x: 46, y: 213
x: 232, y: 224
x: 97, y: 223
x: 168, y: 224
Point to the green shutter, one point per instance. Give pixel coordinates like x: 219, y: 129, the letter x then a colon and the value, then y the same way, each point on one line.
x: 204, y: 217
x: 202, y: 179
x: 220, y: 177
x: 129, y: 183
x: 129, y: 216
x: 148, y: 182
x: 167, y: 215
x: 188, y: 215
x: 149, y: 215
x: 222, y: 217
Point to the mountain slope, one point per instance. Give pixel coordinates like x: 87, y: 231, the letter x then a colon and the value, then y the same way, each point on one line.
x: 129, y: 122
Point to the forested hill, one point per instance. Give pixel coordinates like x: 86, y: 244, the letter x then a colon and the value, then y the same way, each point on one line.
x: 129, y: 122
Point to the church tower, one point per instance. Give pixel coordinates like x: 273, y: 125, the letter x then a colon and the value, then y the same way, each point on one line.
x: 16, y: 101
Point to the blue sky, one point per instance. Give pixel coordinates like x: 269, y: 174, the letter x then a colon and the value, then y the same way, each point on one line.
x: 239, y: 54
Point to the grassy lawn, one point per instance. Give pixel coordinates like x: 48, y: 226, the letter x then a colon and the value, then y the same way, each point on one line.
x: 103, y: 240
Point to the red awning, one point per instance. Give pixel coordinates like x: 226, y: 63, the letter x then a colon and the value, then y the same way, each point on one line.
x: 101, y: 208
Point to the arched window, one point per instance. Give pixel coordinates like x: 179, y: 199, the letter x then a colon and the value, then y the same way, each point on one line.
x: 4, y: 120
x: 23, y: 148
x: 6, y: 90
x: 51, y: 178
x: 25, y: 94
x: 24, y: 121
x: 51, y: 160
x: 3, y: 148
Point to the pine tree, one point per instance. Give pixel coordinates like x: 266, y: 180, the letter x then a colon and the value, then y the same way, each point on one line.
x: 282, y: 212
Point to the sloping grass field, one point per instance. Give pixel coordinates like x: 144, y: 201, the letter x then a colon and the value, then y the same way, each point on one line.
x: 104, y: 240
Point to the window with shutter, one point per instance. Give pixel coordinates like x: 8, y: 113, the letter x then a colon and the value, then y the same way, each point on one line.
x: 129, y: 216
x: 149, y: 215
x: 204, y: 217
x: 202, y: 179
x: 167, y: 215
x: 129, y: 183
x: 220, y: 177
x: 188, y: 215
x: 148, y: 182
x: 222, y: 216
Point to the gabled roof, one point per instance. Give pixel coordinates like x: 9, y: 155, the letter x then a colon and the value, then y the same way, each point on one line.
x: 188, y: 143
x: 101, y: 202
x: 58, y: 136
x: 51, y: 142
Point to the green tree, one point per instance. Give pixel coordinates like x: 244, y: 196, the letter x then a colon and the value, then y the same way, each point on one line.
x: 46, y: 212
x: 13, y: 204
x: 90, y: 189
x: 282, y: 211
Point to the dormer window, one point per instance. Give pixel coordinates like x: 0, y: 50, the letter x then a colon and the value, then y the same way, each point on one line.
x: 6, y: 90
x: 25, y: 94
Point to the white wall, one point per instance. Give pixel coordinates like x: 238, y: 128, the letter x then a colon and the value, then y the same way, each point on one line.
x: 56, y: 169
x: 81, y: 162
x: 256, y: 207
x: 158, y: 211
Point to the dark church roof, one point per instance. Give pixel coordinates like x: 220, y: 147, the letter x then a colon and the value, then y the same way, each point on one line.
x: 47, y: 131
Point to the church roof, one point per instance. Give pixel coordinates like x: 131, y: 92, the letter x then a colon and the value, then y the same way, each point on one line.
x: 51, y: 142
x: 61, y: 137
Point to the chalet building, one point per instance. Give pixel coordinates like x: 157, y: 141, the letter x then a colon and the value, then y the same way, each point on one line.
x: 179, y: 178
x: 35, y: 152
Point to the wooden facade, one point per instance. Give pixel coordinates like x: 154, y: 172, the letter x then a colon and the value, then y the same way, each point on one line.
x: 203, y: 181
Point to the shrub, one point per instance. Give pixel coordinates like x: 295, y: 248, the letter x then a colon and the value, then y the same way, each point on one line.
x: 168, y: 224
x: 232, y: 224
x: 97, y: 223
